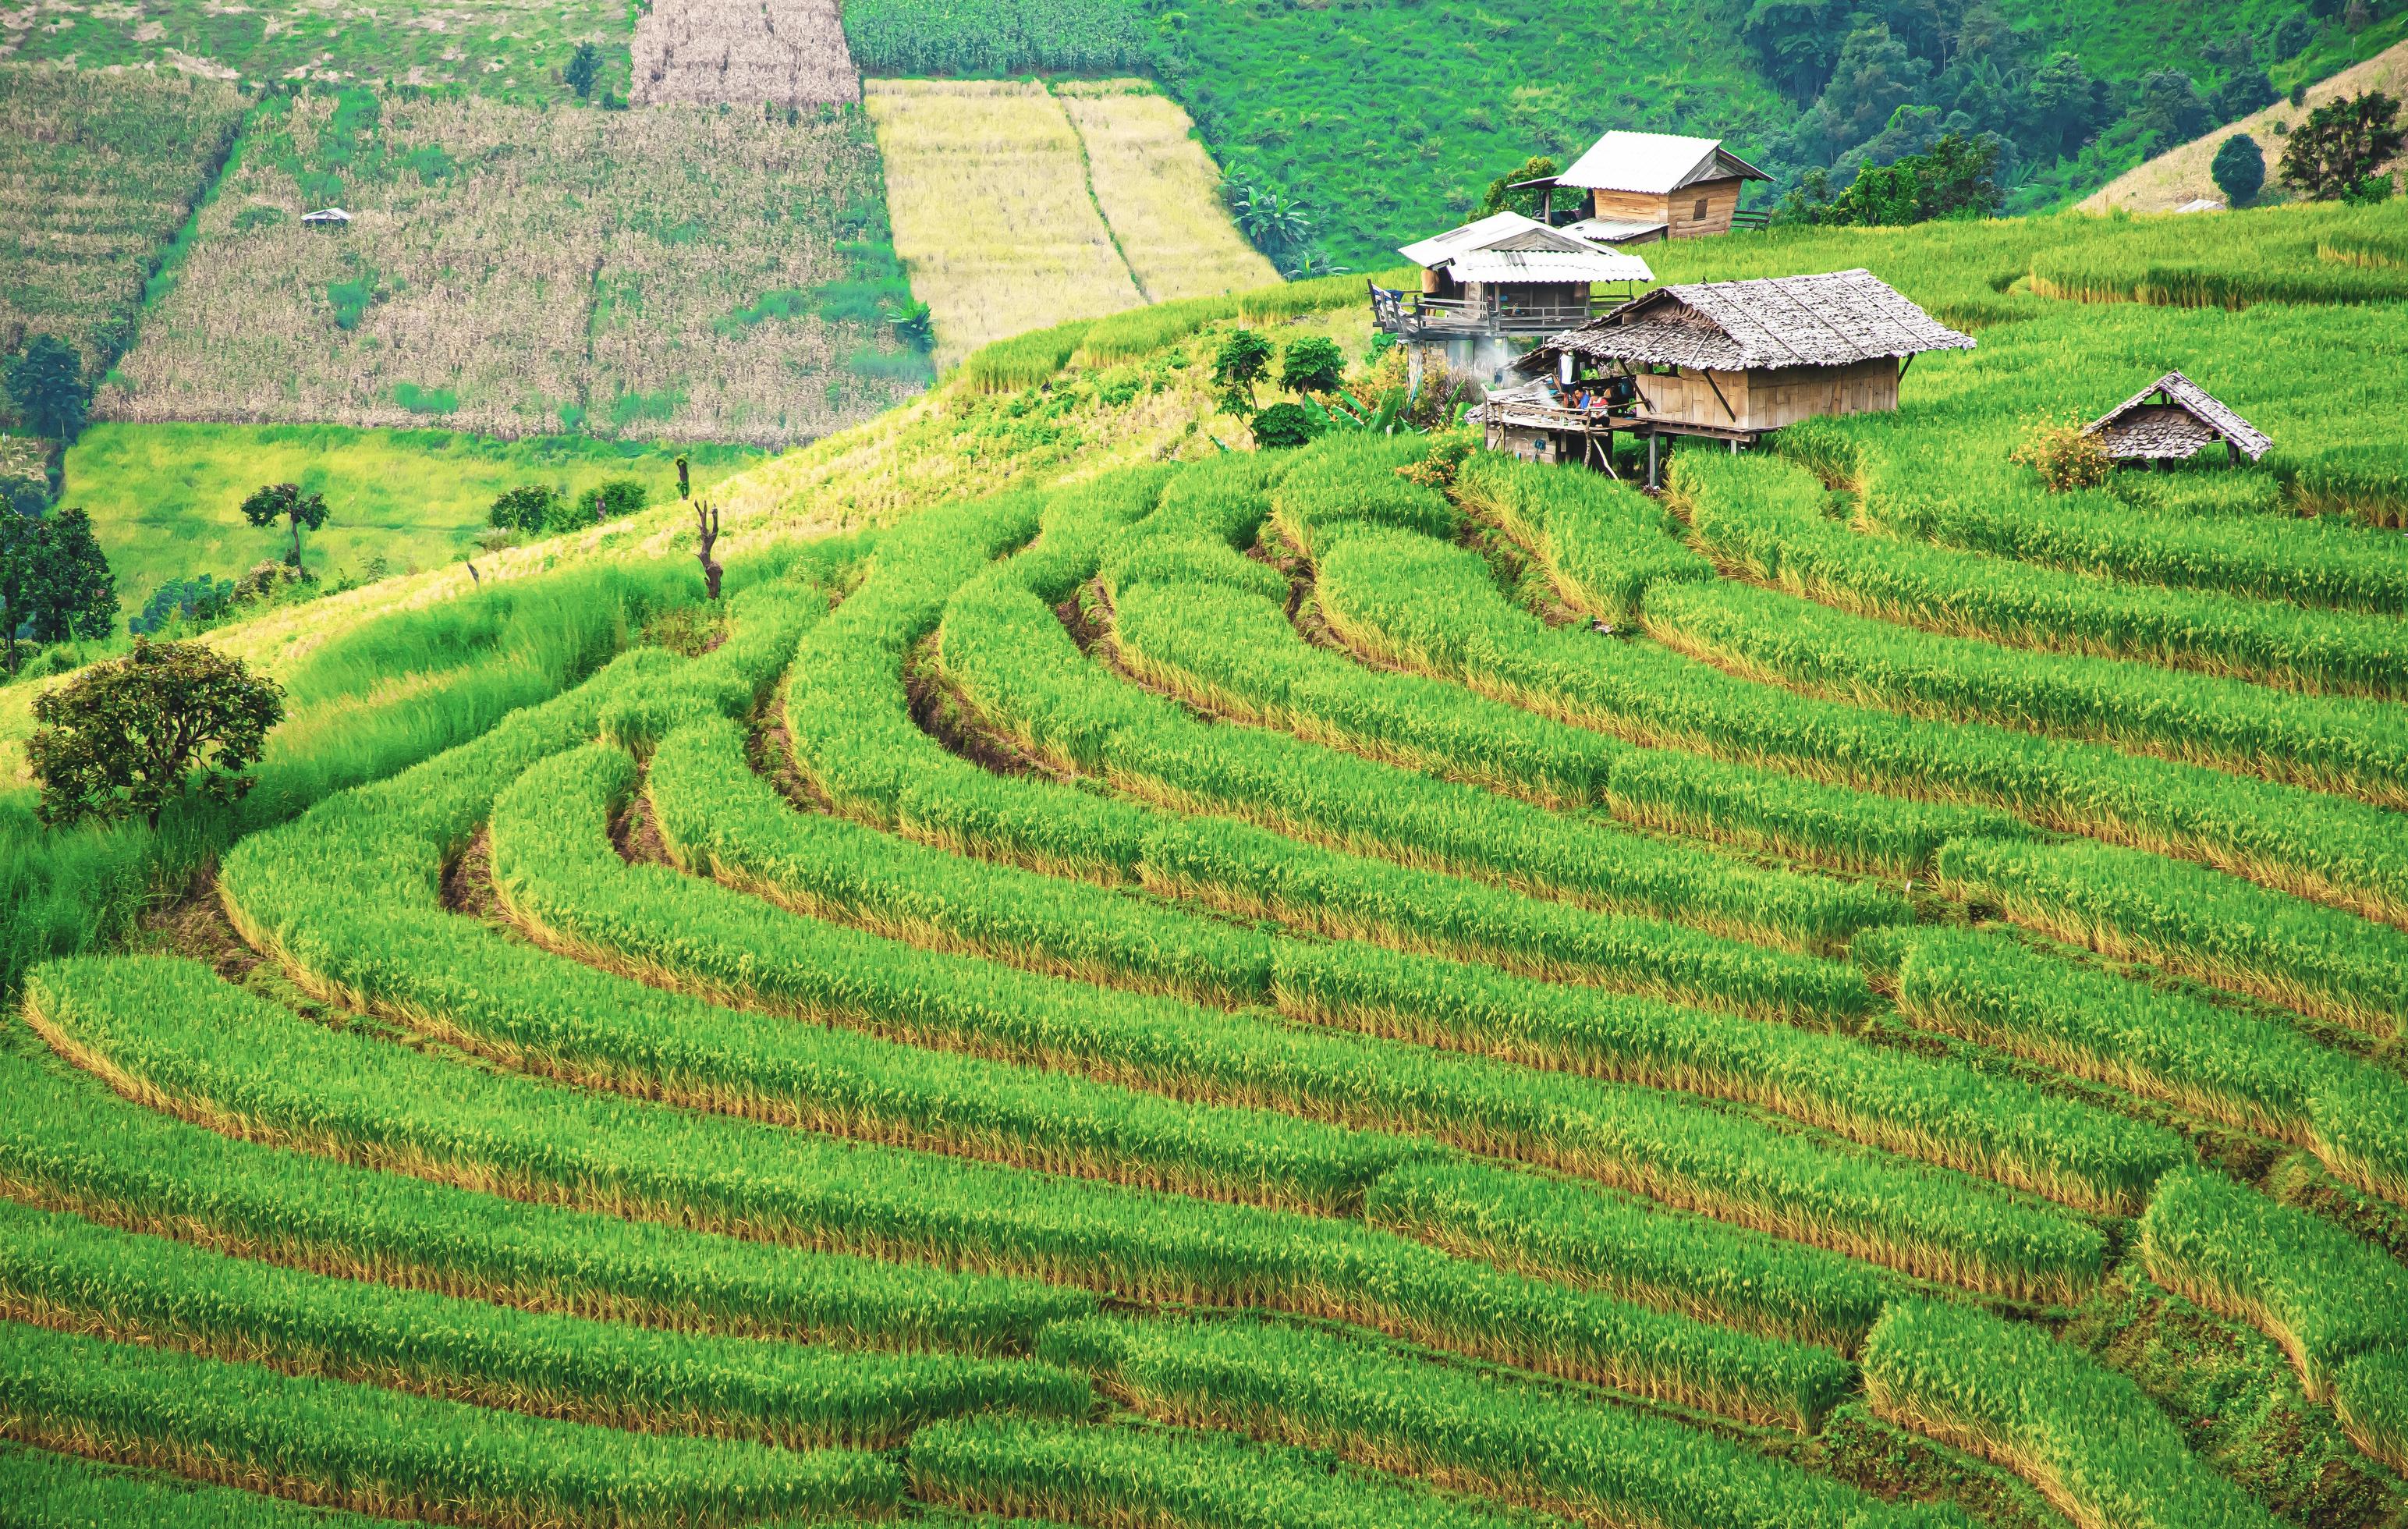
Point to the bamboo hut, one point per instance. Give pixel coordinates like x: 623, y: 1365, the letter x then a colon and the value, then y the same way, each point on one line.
x: 1492, y: 288
x: 2172, y: 420
x: 1729, y: 361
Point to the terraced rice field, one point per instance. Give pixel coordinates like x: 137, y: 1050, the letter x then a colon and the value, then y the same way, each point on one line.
x: 1349, y: 987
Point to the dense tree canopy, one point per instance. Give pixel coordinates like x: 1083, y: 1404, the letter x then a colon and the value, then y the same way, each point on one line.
x: 128, y: 737
x: 2342, y: 145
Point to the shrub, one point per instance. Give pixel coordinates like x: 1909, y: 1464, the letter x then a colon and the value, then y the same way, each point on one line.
x: 527, y: 507
x: 1313, y: 365
x: 2064, y: 455
x: 1285, y: 425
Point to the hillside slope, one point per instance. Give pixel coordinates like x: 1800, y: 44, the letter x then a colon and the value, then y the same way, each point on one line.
x: 2181, y: 175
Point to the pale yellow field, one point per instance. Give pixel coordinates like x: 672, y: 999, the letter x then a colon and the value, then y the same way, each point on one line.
x: 988, y: 195
x: 2181, y: 175
x: 1160, y: 192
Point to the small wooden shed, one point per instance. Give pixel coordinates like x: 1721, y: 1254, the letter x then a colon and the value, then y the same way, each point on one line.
x: 2171, y: 420
x: 1641, y: 187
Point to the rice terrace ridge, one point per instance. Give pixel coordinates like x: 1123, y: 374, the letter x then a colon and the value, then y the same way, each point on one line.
x: 1237, y: 766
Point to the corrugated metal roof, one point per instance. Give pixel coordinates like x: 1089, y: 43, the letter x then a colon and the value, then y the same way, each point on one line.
x: 1611, y: 230
x: 2133, y: 424
x: 1653, y: 164
x: 1483, y: 233
x: 1830, y: 320
x: 1549, y: 265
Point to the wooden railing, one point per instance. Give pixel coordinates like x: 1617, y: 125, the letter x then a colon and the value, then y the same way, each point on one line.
x: 1411, y: 315
x: 1749, y: 220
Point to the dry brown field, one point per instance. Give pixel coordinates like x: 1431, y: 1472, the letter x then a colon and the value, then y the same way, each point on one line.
x: 988, y: 193
x: 788, y: 51
x: 514, y: 271
x: 1160, y: 192
x: 96, y: 172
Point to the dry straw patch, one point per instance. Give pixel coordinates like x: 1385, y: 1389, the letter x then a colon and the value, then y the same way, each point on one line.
x: 97, y: 171
x: 554, y: 268
x: 987, y: 189
x: 1161, y: 192
x: 788, y: 51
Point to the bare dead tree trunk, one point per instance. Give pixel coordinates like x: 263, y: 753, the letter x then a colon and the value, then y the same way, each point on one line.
x: 683, y: 491
x: 706, y: 527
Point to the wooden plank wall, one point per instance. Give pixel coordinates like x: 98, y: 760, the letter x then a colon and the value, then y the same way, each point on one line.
x: 1718, y: 199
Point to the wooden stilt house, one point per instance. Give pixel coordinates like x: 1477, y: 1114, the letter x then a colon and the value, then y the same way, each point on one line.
x: 2171, y: 420
x: 1636, y: 187
x: 1494, y: 288
x: 1729, y: 361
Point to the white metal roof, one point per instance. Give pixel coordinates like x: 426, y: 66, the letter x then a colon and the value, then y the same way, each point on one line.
x: 1549, y: 265
x: 1654, y: 163
x: 1611, y: 230
x: 326, y: 215
x: 1508, y: 246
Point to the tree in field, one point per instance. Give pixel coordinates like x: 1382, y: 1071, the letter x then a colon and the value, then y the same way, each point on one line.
x: 2239, y: 169
x: 525, y: 507
x: 54, y: 582
x: 130, y: 735
x: 2342, y: 145
x: 1313, y: 365
x: 584, y: 65
x: 46, y: 386
x: 1501, y: 197
x: 706, y: 533
x: 1957, y: 177
x: 286, y: 501
x: 1243, y: 360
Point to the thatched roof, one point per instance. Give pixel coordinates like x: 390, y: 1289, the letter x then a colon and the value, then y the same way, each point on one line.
x: 1506, y: 246
x: 2174, y: 417
x: 1653, y: 164
x: 1833, y: 320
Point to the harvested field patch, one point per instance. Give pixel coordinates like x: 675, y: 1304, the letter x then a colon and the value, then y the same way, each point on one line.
x: 789, y: 52
x: 992, y: 215
x: 1160, y: 192
x: 515, y: 272
x: 97, y: 171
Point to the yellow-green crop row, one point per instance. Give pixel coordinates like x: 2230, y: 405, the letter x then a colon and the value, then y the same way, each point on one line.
x: 2196, y: 921
x: 2360, y: 747
x: 2212, y: 1060
x: 1579, y: 1458
x: 2089, y: 1438
x: 1760, y: 516
x: 64, y: 1272
x: 1402, y: 597
x: 167, y: 1031
x: 1600, y: 548
x: 850, y: 722
x: 396, y: 1454
x: 2321, y: 1292
x: 68, y: 1141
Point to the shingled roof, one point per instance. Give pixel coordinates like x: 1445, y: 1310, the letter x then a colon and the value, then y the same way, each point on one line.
x: 2174, y: 417
x: 1831, y: 319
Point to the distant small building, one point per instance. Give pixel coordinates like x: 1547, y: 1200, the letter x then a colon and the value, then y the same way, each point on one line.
x: 2172, y: 420
x: 1635, y: 188
x: 1492, y: 288
x: 1730, y: 361
x: 327, y: 215
x: 2203, y: 203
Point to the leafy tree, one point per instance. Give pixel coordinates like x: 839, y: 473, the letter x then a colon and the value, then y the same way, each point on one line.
x: 24, y: 494
x: 2244, y: 93
x: 286, y: 501
x: 2067, y: 106
x: 610, y: 500
x: 2291, y: 36
x: 1501, y: 197
x: 1874, y: 76
x: 130, y: 735
x: 1957, y: 179
x: 2239, y: 169
x: 2171, y: 107
x: 2342, y: 145
x: 45, y: 384
x: 1242, y: 361
x: 584, y: 66
x: 1313, y: 365
x: 1307, y: 264
x: 54, y: 582
x: 1276, y: 224
x: 1283, y: 425
x: 525, y: 507
x: 201, y: 599
x: 1797, y: 41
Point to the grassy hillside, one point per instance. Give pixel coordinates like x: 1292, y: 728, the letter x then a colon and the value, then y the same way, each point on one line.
x: 1372, y: 985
